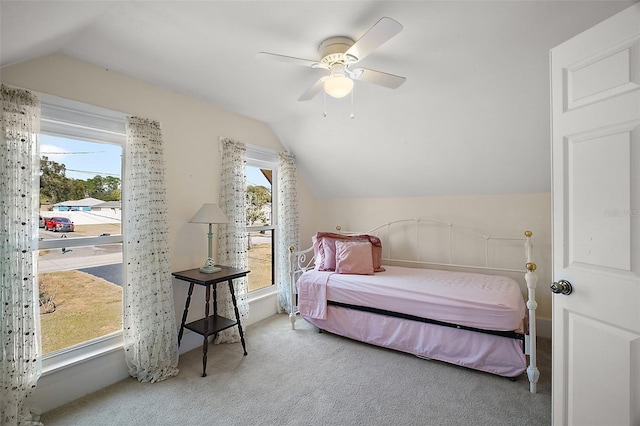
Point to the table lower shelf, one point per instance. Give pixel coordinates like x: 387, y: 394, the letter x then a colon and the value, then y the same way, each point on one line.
x: 216, y: 324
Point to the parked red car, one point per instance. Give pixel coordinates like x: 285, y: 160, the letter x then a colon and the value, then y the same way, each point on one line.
x: 58, y: 224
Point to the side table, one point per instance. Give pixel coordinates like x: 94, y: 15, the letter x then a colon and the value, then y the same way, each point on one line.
x: 210, y: 325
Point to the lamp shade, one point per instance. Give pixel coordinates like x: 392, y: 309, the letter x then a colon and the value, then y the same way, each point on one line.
x: 209, y: 213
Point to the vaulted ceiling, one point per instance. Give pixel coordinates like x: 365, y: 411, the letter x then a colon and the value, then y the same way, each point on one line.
x: 471, y: 118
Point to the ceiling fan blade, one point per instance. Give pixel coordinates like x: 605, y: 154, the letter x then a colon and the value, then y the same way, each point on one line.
x: 290, y: 60
x: 378, y: 77
x: 381, y: 32
x: 313, y: 90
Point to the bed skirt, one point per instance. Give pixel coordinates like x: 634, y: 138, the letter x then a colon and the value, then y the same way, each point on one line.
x: 498, y: 355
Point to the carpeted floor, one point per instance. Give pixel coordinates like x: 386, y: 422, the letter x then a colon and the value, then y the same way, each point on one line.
x: 303, y: 377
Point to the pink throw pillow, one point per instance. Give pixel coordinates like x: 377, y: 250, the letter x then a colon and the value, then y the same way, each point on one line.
x: 329, y: 254
x: 318, y: 253
x: 353, y: 257
x: 324, y: 249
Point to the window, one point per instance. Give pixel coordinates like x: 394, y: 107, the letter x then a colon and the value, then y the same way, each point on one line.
x: 80, y: 268
x: 261, y: 214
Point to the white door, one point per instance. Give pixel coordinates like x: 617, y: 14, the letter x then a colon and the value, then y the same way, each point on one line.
x: 595, y: 83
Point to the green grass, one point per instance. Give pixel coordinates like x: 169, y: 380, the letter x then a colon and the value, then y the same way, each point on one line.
x: 86, y: 307
x: 259, y: 261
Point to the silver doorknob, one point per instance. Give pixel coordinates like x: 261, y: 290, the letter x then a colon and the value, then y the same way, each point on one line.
x: 562, y: 287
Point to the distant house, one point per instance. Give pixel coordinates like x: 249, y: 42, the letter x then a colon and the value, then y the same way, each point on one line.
x: 84, y: 205
x: 108, y: 205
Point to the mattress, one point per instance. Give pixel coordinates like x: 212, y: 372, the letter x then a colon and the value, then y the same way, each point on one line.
x: 488, y: 302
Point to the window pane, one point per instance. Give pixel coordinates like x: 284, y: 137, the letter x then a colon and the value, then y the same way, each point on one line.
x: 80, y: 281
x: 258, y: 196
x: 260, y: 257
x: 80, y: 294
x: 259, y: 215
x: 79, y: 182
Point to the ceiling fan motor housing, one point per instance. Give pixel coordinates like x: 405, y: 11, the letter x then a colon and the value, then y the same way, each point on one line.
x: 332, y: 50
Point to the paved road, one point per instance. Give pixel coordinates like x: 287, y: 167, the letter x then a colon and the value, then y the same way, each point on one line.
x: 111, y: 273
x: 104, y: 261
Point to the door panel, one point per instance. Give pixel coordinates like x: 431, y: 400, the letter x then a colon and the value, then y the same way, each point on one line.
x: 603, y: 75
x: 596, y: 223
x: 599, y: 199
x: 609, y: 365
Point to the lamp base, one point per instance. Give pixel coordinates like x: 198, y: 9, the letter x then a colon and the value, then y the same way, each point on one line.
x: 209, y: 267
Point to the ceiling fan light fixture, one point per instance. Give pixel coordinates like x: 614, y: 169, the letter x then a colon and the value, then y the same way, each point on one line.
x: 338, y: 85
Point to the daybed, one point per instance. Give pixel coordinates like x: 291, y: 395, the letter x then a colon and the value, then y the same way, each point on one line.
x: 345, y: 285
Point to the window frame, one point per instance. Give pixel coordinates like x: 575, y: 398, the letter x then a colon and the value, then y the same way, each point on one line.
x: 76, y: 120
x: 265, y: 158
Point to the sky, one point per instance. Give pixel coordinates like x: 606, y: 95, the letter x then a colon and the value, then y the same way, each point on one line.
x: 255, y: 177
x: 84, y: 160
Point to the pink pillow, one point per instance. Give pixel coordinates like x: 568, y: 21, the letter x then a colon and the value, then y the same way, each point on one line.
x: 324, y: 249
x: 318, y: 253
x: 328, y: 251
x: 353, y: 257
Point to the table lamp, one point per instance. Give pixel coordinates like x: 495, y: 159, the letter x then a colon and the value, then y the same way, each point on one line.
x: 209, y: 213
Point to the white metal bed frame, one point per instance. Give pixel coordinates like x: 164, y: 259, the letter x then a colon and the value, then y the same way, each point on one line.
x: 303, y: 260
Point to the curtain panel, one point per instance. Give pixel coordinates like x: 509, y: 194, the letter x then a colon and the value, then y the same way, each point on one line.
x: 288, y: 233
x: 232, y: 237
x: 150, y: 331
x: 21, y: 354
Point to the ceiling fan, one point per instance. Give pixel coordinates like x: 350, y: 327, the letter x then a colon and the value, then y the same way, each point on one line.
x: 339, y: 54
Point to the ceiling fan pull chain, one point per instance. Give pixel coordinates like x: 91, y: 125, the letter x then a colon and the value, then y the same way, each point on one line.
x: 324, y: 103
x: 352, y: 114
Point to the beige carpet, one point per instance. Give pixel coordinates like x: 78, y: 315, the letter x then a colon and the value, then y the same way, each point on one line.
x: 303, y: 377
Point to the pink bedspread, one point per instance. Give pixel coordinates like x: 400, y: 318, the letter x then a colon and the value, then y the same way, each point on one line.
x: 488, y: 302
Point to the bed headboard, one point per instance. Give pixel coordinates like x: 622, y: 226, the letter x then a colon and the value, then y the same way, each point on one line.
x: 424, y: 242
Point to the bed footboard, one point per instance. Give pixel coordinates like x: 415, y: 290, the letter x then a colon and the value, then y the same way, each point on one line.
x: 531, y: 278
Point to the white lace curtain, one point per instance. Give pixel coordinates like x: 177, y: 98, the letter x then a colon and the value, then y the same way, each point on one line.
x: 232, y: 237
x: 20, y: 361
x: 288, y: 233
x: 150, y: 332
